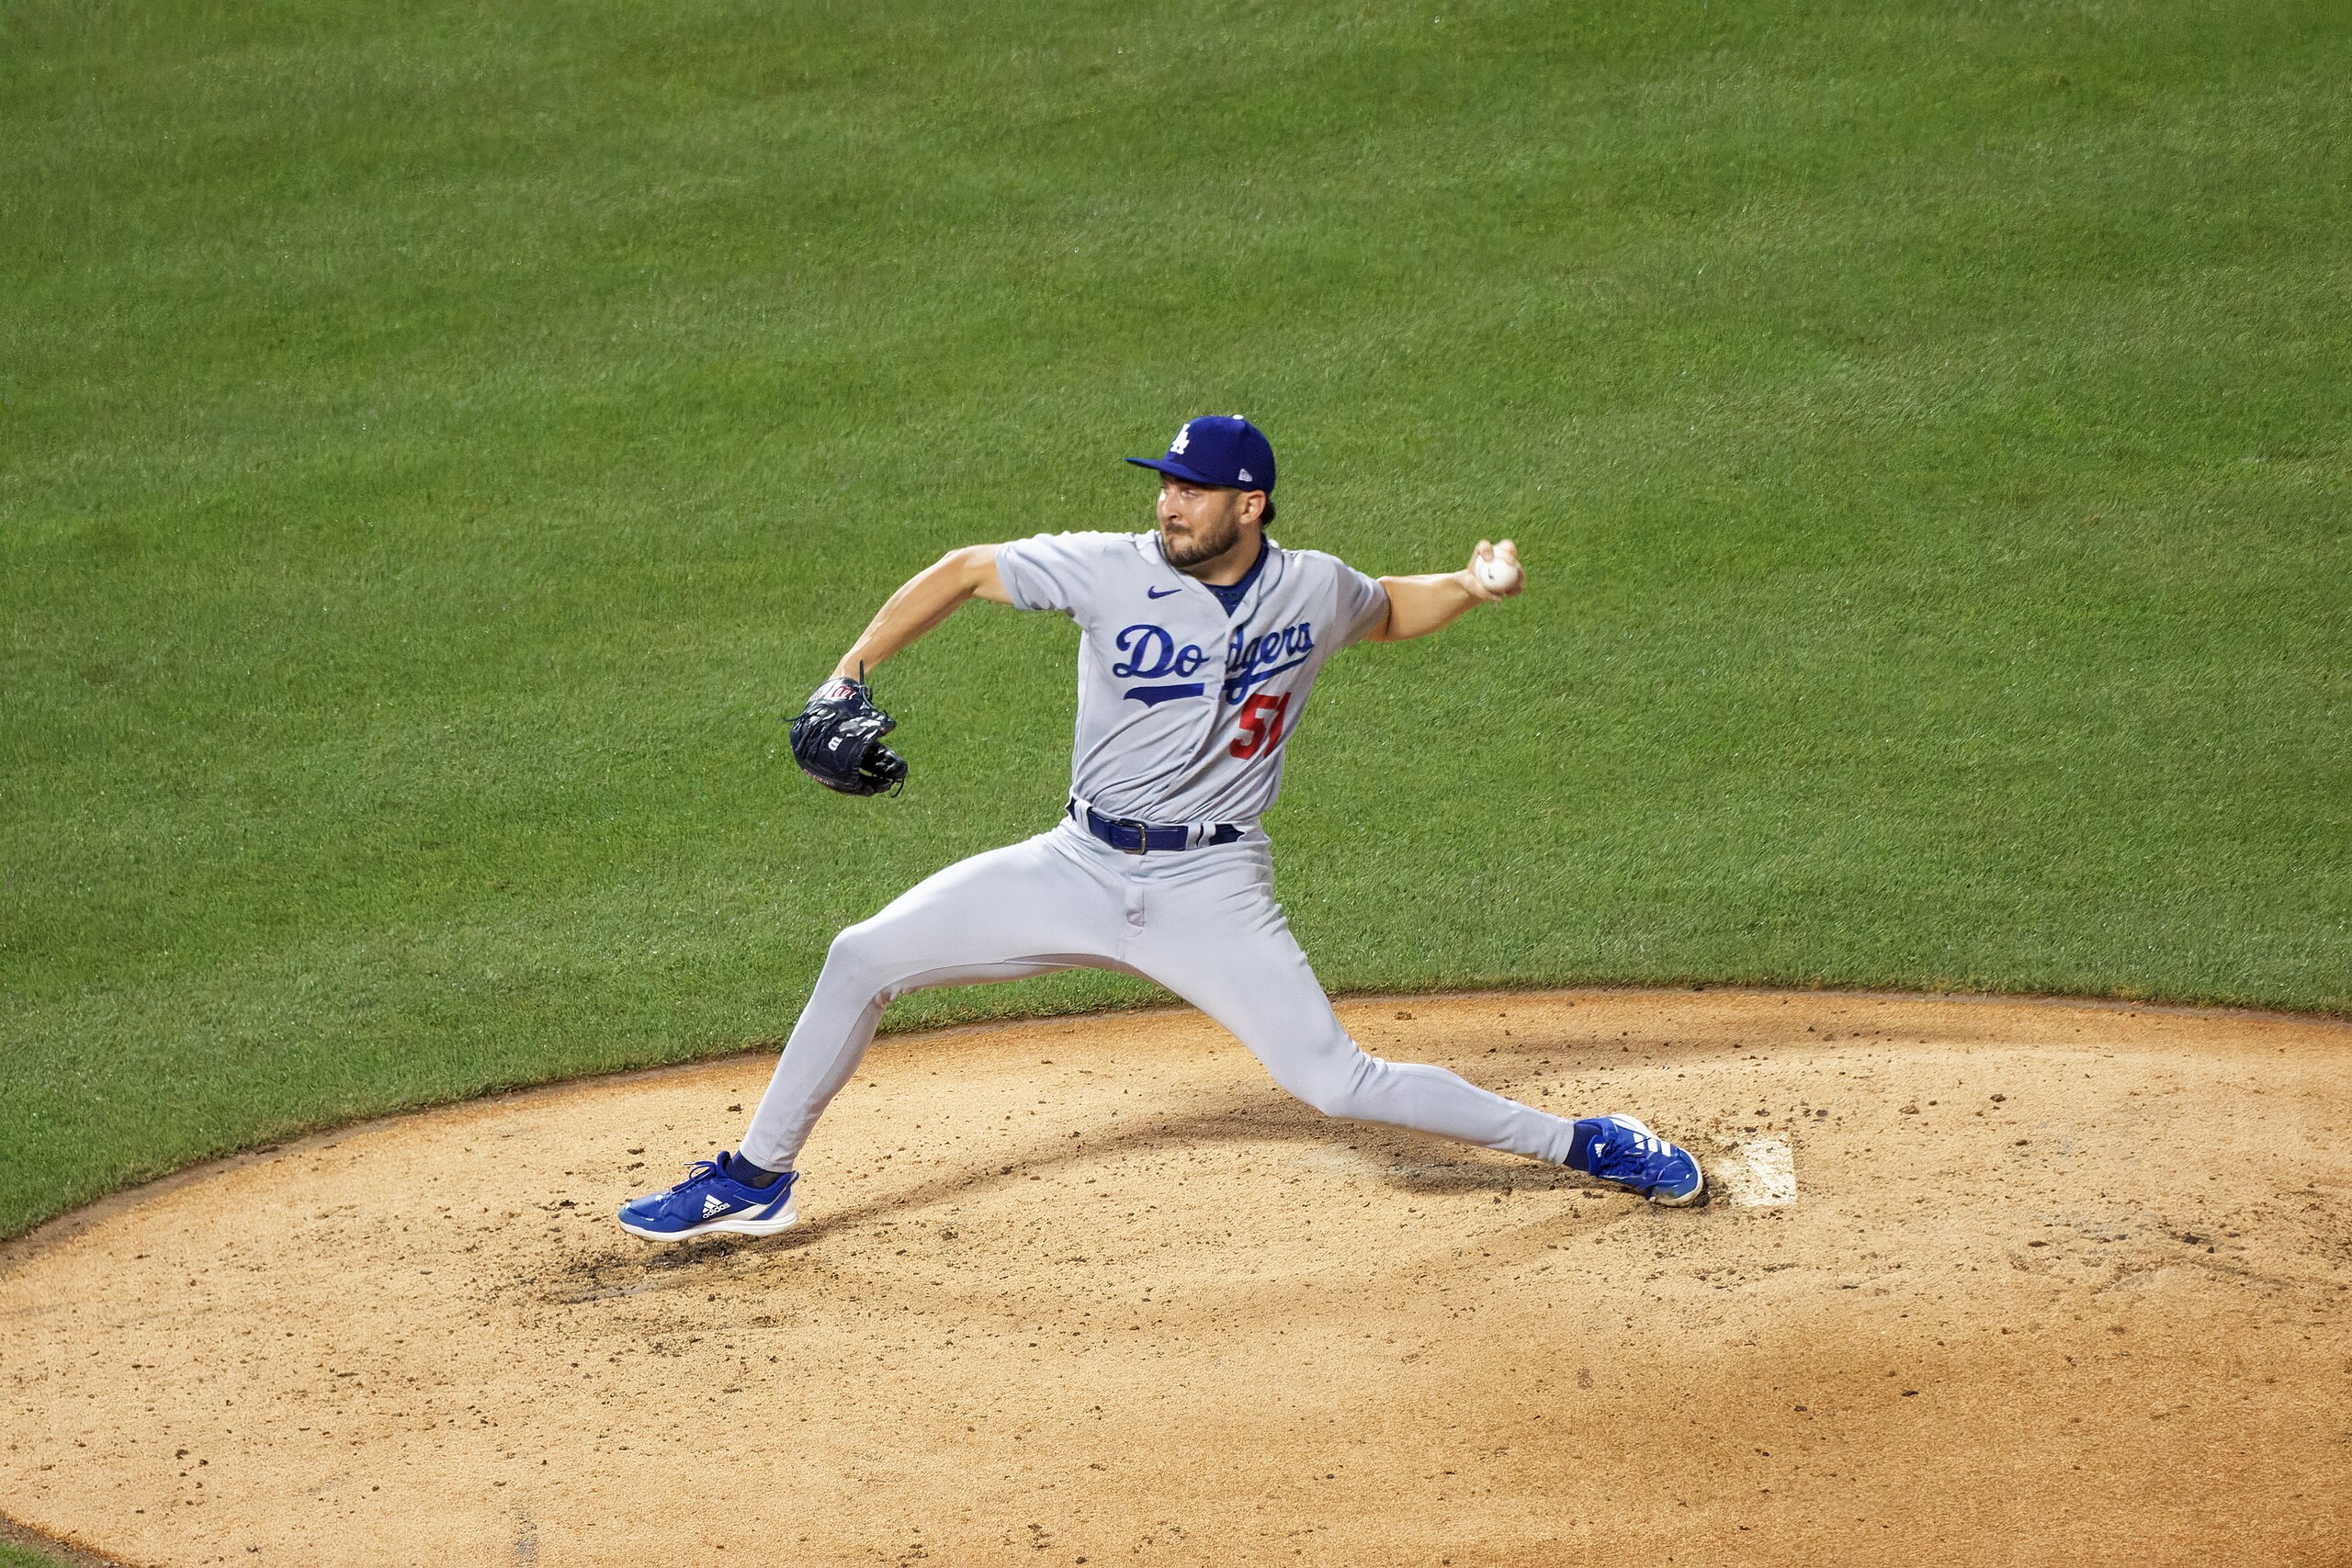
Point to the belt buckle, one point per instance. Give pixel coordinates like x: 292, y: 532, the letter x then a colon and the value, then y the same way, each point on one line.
x: 1143, y: 835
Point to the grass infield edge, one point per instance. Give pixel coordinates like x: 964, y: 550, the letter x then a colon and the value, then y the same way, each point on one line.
x: 21, y: 1547
x: 58, y: 1228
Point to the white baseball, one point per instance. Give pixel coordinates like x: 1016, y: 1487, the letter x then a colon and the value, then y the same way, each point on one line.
x: 1497, y: 573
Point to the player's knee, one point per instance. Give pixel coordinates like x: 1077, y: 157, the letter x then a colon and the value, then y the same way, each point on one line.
x: 858, y: 958
x: 1338, y: 1086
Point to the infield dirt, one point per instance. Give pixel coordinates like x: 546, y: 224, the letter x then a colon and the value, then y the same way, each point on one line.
x: 2056, y: 1279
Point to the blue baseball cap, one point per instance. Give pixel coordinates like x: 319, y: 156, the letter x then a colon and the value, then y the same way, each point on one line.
x: 1221, y: 449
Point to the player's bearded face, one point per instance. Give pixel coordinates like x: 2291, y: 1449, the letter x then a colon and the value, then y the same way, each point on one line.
x: 1199, y: 522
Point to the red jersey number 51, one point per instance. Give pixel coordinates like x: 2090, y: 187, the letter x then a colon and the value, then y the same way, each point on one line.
x: 1262, y: 725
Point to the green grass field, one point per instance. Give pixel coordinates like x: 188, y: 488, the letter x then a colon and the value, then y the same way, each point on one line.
x: 437, y: 441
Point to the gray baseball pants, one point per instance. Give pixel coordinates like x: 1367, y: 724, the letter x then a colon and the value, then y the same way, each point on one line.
x: 1202, y: 923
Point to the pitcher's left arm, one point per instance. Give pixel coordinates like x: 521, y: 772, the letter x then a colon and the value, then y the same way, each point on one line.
x: 1419, y: 606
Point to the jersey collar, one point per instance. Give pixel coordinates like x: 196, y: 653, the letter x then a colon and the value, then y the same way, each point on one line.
x: 1149, y: 545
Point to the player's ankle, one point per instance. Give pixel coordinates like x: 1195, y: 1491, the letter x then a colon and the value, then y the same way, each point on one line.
x: 743, y: 1173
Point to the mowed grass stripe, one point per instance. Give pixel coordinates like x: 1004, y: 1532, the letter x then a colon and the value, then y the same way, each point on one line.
x: 434, y: 445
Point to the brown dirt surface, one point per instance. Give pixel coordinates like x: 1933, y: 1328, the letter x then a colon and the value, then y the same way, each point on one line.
x: 2057, y: 1281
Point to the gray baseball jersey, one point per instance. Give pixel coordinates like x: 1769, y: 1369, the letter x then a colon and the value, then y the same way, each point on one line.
x: 1183, y: 710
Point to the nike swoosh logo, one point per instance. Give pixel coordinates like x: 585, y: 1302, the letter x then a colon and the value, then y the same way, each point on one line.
x: 1161, y: 592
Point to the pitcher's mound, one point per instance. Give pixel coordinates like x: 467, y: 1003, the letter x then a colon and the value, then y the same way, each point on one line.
x: 1985, y: 1283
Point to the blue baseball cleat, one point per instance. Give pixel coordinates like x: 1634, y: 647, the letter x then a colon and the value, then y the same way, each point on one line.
x: 1621, y: 1150
x: 709, y: 1201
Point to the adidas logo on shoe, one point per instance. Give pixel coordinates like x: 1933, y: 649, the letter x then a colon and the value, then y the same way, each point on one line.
x: 712, y: 1204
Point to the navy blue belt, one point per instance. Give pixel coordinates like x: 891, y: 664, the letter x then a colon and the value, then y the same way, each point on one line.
x: 1135, y: 838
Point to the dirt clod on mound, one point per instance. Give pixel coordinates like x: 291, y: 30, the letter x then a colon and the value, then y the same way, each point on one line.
x: 1983, y: 1283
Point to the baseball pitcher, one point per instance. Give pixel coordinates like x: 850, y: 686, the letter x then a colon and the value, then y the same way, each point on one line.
x: 1199, y: 645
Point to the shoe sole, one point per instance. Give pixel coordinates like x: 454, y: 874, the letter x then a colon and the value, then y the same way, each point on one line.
x: 731, y: 1224
x: 1696, y: 1195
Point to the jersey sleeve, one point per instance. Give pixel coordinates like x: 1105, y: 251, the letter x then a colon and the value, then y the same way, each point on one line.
x: 1363, y: 606
x: 1052, y: 571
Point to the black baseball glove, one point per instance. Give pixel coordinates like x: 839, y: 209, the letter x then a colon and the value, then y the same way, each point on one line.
x: 837, y: 741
